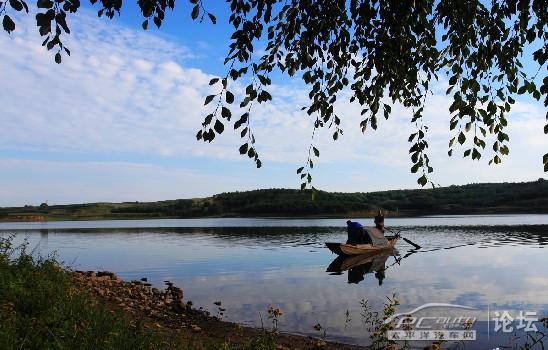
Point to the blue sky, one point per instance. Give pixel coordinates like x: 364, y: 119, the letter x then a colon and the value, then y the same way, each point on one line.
x: 116, y: 121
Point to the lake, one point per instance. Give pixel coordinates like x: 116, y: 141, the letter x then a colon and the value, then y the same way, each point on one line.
x: 491, y: 263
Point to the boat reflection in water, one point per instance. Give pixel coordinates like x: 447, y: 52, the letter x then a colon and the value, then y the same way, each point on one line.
x: 360, y: 265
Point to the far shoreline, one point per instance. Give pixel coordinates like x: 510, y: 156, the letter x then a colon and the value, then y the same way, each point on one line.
x: 277, y: 217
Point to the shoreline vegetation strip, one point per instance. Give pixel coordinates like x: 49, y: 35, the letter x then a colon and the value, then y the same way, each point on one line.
x: 496, y: 198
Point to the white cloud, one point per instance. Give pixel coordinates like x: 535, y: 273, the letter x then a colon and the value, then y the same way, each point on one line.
x: 125, y: 91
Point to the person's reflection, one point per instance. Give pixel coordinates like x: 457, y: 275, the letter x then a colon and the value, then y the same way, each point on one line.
x: 356, y: 274
x: 376, y: 266
x: 360, y: 265
x: 380, y: 276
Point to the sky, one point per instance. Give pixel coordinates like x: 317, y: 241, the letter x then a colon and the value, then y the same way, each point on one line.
x: 117, y: 120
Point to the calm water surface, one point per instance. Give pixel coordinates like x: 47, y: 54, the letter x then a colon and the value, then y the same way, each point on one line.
x: 490, y: 263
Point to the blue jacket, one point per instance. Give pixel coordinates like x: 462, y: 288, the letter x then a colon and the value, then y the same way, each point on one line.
x: 354, y: 225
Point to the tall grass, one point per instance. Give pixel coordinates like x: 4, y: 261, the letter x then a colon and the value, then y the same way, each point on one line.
x: 41, y: 308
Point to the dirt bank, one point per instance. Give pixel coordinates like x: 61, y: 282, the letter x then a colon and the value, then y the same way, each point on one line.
x: 166, y: 310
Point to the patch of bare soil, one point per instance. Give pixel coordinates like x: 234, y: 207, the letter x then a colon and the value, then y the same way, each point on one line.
x: 166, y: 311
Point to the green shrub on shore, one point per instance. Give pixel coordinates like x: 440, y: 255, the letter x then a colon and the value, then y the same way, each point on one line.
x: 40, y: 308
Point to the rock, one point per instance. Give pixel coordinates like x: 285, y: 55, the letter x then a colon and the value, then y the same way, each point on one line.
x: 108, y: 274
x: 320, y: 344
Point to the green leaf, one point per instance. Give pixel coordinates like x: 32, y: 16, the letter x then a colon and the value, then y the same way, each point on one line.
x: 8, y: 24
x: 209, y: 99
x: 422, y: 180
x: 219, y: 127
x: 300, y: 170
x: 229, y: 97
x: 242, y: 120
x: 476, y: 154
x: 243, y: 148
x: 16, y: 5
x: 225, y: 113
x: 213, y: 81
x: 195, y: 12
x: 157, y: 21
x: 213, y: 20
x: 44, y: 4
x: 316, y: 151
x: 462, y: 138
x: 58, y: 58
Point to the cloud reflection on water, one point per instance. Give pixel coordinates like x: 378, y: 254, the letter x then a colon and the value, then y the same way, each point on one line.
x: 249, y: 269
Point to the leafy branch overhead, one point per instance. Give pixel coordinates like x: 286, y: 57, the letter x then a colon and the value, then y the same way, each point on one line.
x: 381, y: 52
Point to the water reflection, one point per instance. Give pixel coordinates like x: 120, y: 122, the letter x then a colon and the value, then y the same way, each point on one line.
x: 251, y: 268
x: 360, y: 265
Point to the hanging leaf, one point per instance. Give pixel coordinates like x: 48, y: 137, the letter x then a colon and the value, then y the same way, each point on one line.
x: 8, y: 24
x: 209, y: 99
x: 195, y: 12
x: 219, y: 127
x: 229, y: 97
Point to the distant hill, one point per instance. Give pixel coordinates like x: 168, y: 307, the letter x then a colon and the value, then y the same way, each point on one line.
x: 525, y: 197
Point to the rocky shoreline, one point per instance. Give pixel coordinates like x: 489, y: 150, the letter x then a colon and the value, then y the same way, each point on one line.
x: 166, y: 309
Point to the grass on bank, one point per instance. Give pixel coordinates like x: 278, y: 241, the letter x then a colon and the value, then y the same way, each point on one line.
x: 42, y: 308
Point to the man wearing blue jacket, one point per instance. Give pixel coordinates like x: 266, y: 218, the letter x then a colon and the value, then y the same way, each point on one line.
x: 356, y: 233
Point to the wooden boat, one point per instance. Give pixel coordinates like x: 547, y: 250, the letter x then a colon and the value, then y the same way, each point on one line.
x: 357, y: 249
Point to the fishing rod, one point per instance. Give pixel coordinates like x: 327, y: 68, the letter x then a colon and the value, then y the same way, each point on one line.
x: 397, y: 233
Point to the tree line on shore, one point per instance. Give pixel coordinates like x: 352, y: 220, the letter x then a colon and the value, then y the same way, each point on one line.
x: 530, y: 197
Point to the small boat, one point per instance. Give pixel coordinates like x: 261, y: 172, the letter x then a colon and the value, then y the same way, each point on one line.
x: 357, y: 249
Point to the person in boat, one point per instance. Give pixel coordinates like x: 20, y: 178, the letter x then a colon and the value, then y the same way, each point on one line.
x: 356, y: 233
x: 376, y: 234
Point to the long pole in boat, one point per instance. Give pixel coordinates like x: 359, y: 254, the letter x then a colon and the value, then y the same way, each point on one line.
x: 405, y: 239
